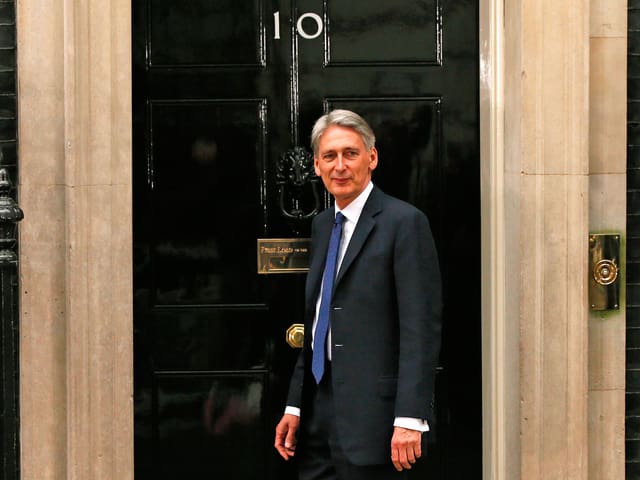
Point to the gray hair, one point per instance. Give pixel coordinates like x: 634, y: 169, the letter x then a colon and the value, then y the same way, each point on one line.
x: 342, y: 118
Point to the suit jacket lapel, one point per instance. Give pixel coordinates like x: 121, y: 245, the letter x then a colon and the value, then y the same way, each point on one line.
x: 361, y: 233
x: 320, y: 246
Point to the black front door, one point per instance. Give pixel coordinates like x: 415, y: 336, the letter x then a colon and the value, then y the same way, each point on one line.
x: 222, y: 89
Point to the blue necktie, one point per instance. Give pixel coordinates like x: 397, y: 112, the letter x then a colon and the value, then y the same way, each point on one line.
x: 322, y: 326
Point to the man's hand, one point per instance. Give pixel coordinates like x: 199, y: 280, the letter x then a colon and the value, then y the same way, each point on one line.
x: 405, y: 447
x: 286, y: 435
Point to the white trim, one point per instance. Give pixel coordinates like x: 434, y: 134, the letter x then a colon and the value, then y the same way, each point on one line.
x: 493, y: 243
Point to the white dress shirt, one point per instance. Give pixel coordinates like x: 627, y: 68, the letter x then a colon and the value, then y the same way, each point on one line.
x: 352, y: 214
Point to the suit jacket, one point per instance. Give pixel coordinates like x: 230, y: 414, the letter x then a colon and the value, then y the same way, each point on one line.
x: 385, y: 325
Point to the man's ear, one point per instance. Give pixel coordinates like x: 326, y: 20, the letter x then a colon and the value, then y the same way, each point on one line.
x: 316, y: 166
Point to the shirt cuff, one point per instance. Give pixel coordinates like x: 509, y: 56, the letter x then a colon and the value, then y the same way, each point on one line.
x: 411, y: 424
x: 292, y: 411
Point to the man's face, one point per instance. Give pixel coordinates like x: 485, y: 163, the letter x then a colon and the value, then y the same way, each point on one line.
x: 344, y: 163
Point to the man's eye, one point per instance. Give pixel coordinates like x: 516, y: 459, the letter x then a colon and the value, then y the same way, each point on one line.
x: 328, y: 157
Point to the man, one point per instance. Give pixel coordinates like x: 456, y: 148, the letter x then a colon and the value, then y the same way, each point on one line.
x: 361, y: 390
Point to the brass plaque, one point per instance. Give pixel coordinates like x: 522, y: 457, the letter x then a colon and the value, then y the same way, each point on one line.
x: 283, y: 255
x: 604, y: 272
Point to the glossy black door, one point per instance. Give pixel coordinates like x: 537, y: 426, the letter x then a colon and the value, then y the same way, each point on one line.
x: 221, y: 90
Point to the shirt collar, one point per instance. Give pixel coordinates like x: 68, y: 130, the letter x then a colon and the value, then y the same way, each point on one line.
x: 354, y: 209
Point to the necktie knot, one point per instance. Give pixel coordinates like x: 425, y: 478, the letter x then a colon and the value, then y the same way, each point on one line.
x: 339, y: 218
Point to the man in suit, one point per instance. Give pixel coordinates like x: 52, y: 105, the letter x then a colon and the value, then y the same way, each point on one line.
x: 362, y: 388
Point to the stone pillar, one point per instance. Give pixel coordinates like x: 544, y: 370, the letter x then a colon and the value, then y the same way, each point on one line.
x: 500, y: 253
x: 546, y: 165
x: 75, y: 182
x: 607, y: 213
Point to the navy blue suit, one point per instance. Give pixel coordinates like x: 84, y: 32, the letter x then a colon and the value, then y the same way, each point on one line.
x: 385, y: 325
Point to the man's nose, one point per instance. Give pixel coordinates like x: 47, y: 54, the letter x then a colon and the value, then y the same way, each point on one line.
x: 340, y: 162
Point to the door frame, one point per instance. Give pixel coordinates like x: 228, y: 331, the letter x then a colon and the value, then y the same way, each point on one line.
x: 74, y: 68
x: 500, y: 340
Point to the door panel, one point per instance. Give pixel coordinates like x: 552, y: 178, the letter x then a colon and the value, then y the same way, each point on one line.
x: 200, y: 339
x: 200, y: 148
x: 389, y: 33
x: 202, y: 417
x: 222, y: 89
x: 205, y: 33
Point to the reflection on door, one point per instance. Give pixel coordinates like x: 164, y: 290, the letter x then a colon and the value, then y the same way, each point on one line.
x: 222, y: 90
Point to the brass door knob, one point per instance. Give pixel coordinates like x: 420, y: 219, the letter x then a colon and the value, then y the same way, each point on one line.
x: 295, y: 335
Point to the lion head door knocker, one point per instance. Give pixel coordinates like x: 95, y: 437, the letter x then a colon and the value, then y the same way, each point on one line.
x: 295, y: 176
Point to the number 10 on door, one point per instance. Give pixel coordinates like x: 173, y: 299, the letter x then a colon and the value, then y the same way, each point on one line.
x: 300, y: 28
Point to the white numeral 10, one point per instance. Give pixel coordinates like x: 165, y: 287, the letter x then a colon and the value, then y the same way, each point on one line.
x: 301, y: 31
